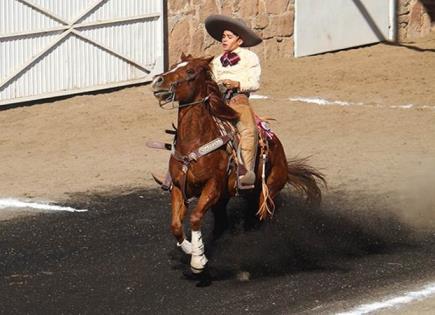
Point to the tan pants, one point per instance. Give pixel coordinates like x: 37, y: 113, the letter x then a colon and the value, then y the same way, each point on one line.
x: 247, y: 129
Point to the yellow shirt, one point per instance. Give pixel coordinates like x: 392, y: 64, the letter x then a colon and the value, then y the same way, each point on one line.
x: 247, y: 71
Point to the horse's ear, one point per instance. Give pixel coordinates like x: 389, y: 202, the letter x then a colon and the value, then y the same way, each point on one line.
x: 185, y: 57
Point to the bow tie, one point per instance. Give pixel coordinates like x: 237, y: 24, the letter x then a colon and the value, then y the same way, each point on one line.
x: 229, y: 59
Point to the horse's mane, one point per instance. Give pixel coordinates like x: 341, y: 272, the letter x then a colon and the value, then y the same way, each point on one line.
x: 216, y: 105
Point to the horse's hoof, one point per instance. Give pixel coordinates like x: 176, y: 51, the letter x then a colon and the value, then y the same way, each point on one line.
x: 189, y: 275
x: 203, y: 278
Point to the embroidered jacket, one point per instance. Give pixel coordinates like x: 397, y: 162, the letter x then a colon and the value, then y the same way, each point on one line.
x: 247, y: 71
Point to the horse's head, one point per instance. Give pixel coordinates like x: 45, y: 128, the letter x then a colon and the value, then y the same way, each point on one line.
x: 183, y: 83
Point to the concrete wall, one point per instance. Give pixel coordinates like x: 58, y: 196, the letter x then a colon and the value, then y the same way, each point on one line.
x: 271, y: 19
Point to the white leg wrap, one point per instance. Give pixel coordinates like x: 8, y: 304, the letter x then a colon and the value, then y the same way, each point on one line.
x: 198, y: 260
x: 186, y: 246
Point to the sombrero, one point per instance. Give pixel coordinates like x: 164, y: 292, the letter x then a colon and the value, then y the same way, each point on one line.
x: 217, y: 24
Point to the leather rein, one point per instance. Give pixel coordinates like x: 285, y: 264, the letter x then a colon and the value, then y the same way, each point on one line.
x: 172, y: 95
x: 203, y: 150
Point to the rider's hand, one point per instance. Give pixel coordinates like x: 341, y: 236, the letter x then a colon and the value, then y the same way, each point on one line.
x: 230, y: 84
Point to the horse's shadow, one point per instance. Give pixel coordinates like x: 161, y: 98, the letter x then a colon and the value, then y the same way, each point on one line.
x: 299, y: 238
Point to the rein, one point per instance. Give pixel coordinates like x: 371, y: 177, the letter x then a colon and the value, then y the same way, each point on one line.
x: 171, y: 98
x: 174, y: 106
x: 193, y: 156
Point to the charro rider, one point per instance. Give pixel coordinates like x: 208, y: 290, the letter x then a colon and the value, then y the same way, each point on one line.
x: 238, y: 70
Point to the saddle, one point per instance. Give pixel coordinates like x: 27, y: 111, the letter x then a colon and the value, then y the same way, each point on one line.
x: 229, y: 137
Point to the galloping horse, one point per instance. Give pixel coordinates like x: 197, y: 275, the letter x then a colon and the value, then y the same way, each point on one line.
x: 210, y: 177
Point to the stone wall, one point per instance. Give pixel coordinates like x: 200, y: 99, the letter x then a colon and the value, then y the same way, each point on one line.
x: 415, y: 18
x: 272, y: 20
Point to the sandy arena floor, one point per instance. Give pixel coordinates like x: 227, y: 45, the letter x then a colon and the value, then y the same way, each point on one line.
x: 377, y: 138
x: 365, y: 116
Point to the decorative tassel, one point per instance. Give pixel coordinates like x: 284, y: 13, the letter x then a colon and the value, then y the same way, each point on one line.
x: 268, y: 206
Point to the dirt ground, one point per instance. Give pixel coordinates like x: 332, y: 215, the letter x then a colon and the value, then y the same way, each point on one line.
x: 381, y: 143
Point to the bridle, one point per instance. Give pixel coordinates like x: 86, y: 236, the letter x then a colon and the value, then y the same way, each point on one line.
x: 171, y: 97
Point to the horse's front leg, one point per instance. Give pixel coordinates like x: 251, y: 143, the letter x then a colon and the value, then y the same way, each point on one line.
x: 209, y: 197
x: 178, y: 212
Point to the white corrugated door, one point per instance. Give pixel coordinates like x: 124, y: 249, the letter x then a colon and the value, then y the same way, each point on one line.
x: 326, y: 25
x: 58, y: 47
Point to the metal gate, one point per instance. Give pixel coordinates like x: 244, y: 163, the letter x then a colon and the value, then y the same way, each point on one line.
x: 58, y: 47
x: 322, y: 26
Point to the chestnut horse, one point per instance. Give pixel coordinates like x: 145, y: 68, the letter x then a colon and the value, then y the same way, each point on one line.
x: 209, y: 177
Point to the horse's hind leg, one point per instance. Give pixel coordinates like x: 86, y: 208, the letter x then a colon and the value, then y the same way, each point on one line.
x: 178, y: 212
x: 209, y: 197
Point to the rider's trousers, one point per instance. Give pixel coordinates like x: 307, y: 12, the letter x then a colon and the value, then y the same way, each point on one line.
x: 247, y: 129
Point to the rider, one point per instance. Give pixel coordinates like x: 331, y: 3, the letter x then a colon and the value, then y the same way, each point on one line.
x: 238, y: 70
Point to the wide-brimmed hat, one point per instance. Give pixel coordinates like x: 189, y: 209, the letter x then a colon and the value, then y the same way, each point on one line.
x: 217, y: 24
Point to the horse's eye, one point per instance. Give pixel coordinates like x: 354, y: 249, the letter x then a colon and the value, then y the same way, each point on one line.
x: 190, y: 71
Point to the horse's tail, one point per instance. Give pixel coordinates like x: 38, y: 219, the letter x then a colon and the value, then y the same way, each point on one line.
x: 305, y: 179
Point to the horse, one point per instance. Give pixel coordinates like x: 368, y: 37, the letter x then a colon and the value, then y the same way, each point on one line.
x: 208, y: 177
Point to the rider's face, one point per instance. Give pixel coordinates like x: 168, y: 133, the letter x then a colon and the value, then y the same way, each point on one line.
x: 230, y: 41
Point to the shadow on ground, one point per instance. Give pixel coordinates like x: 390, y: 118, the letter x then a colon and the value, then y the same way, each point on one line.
x: 301, y: 238
x: 120, y: 256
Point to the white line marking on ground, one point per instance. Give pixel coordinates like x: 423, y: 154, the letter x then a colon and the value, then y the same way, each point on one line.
x: 406, y: 298
x: 321, y: 101
x: 258, y: 97
x: 408, y: 106
x: 15, y: 203
x: 325, y: 102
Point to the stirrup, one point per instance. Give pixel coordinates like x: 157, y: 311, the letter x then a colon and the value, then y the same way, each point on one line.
x: 243, y: 185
